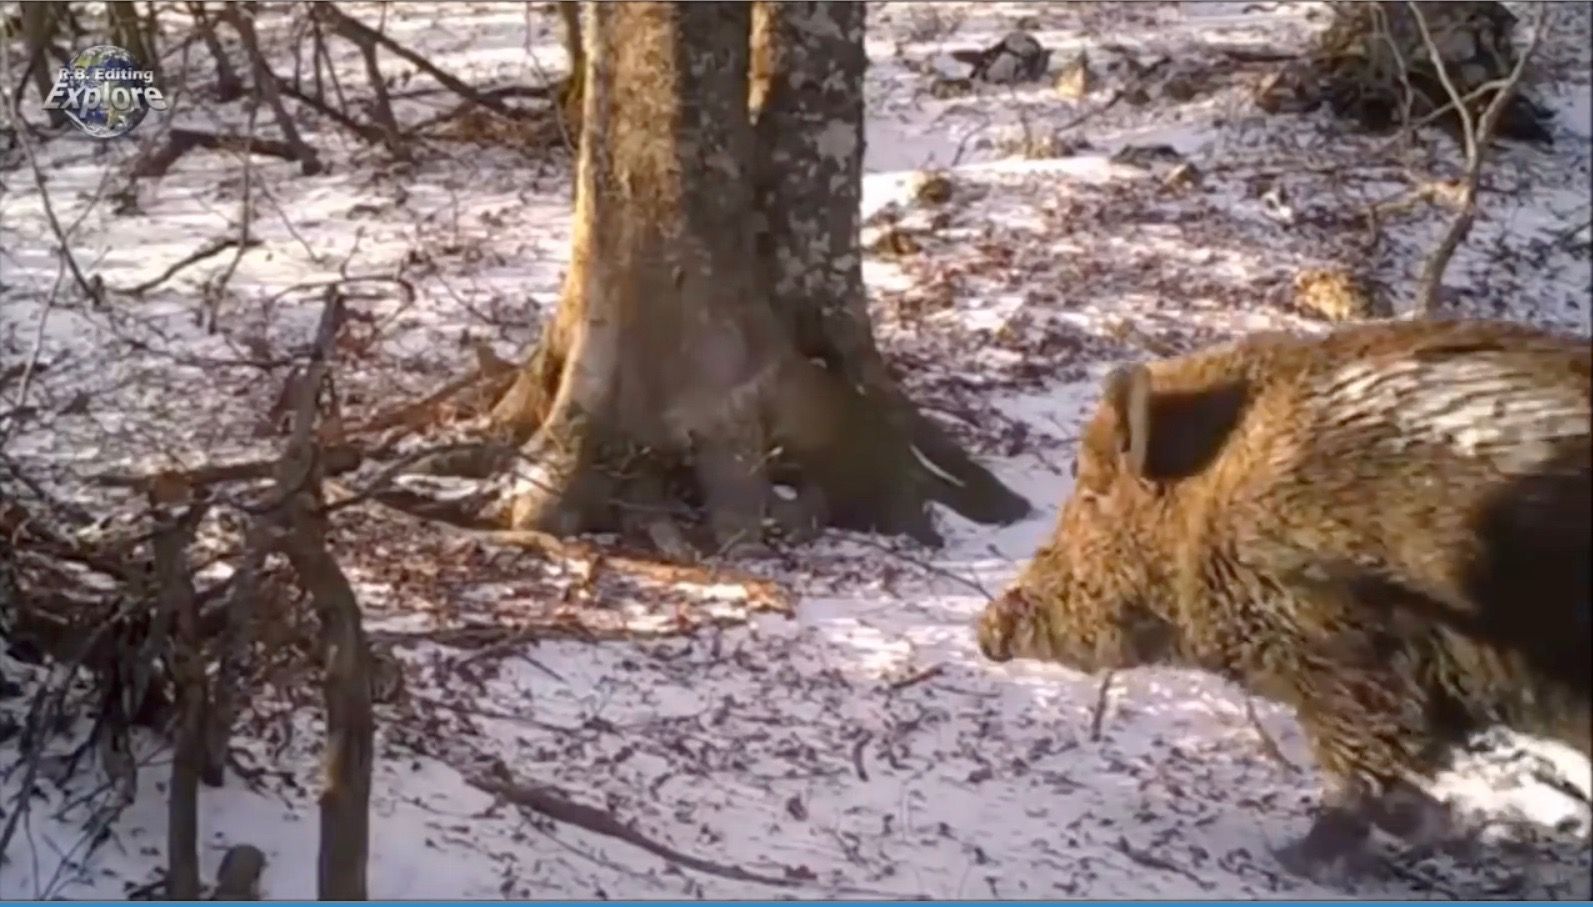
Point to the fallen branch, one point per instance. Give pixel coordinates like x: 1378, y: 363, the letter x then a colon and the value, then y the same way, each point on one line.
x: 759, y: 590
x: 214, y: 247
x: 180, y: 141
x: 1248, y: 55
x: 555, y: 805
x: 317, y: 103
x: 361, y: 34
x: 499, y: 637
x: 415, y: 414
x: 857, y: 755
x: 915, y: 678
x: 934, y: 569
x: 333, y: 461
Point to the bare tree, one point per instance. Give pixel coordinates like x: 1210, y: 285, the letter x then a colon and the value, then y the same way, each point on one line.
x: 134, y: 34
x: 241, y: 18
x: 696, y: 356
x: 1476, y: 136
x: 40, y: 23
x: 228, y: 86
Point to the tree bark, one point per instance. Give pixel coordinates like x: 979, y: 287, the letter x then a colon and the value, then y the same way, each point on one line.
x: 807, y: 103
x: 712, y: 340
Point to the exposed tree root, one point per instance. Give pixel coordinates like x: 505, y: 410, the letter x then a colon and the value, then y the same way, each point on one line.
x: 416, y: 414
x: 710, y: 375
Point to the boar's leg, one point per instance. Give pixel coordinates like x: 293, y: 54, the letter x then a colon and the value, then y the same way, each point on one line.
x: 1335, y: 846
x: 1418, y: 818
x: 1368, y: 727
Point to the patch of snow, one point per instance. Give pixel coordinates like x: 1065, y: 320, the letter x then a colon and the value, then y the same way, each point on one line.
x: 861, y: 747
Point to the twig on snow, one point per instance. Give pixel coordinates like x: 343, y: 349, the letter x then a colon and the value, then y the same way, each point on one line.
x: 924, y: 565
x: 917, y: 677
x: 212, y: 248
x: 1102, y: 700
x: 555, y: 805
x: 180, y: 141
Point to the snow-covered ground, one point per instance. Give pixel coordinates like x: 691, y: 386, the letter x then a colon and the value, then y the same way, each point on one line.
x: 857, y: 746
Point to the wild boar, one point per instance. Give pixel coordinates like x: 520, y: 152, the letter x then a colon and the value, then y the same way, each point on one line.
x: 1386, y: 527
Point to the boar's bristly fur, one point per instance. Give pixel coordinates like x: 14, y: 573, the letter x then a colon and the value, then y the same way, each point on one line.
x: 1386, y: 527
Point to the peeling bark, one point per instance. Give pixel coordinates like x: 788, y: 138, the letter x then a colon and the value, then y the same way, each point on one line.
x: 712, y: 339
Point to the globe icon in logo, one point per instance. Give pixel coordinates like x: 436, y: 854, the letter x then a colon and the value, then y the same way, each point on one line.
x: 105, y: 67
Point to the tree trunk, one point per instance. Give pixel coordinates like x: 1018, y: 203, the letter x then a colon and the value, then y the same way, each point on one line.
x: 132, y: 35
x: 712, y: 341
x: 228, y: 86
x: 807, y: 103
x: 40, y: 23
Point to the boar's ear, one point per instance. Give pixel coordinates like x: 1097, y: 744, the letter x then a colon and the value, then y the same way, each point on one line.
x: 1173, y: 434
x: 1128, y: 392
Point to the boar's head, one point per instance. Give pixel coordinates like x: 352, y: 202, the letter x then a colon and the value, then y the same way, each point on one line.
x: 1100, y: 594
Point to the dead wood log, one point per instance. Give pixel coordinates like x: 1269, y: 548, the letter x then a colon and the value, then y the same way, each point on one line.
x: 180, y: 141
